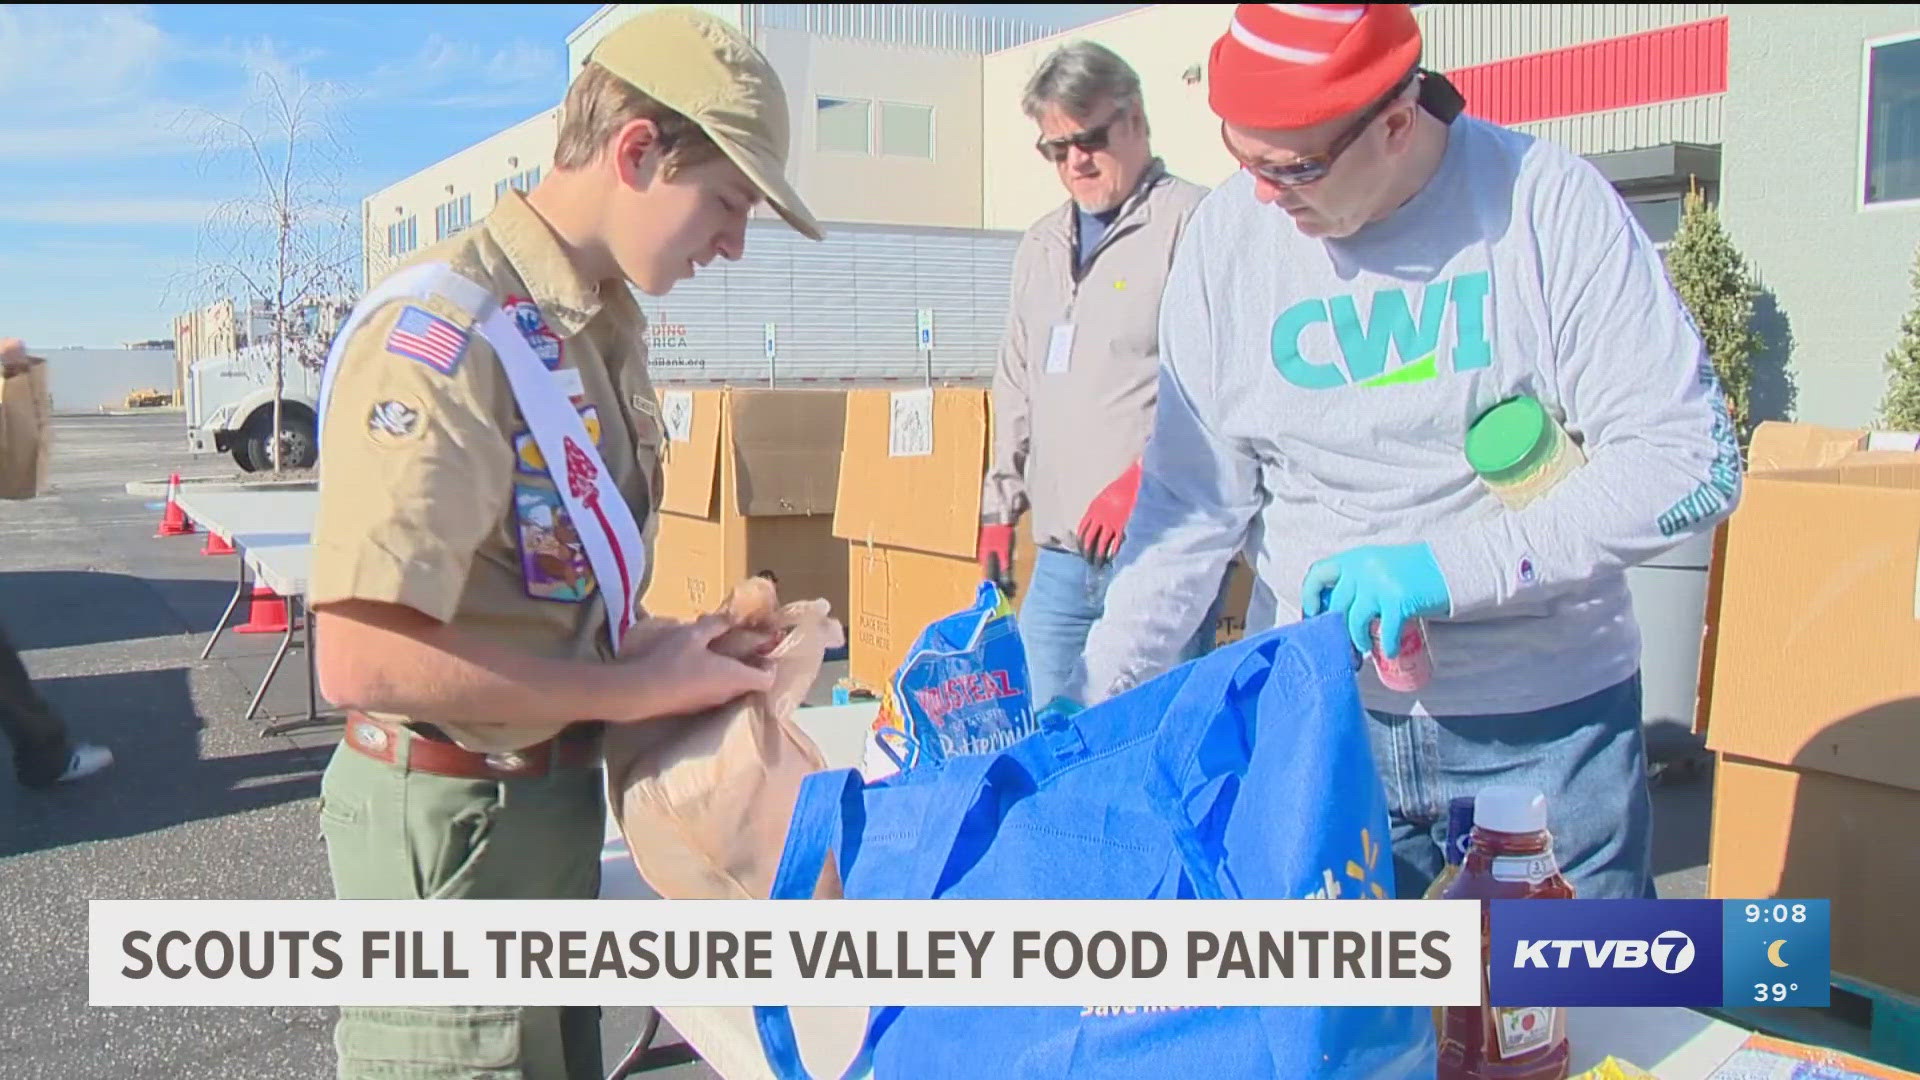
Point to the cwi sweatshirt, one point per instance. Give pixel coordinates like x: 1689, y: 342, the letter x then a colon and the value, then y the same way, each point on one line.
x: 1315, y: 396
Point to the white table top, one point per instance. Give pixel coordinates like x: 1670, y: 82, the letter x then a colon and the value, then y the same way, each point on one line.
x: 280, y: 561
x: 1671, y: 1043
x: 230, y: 512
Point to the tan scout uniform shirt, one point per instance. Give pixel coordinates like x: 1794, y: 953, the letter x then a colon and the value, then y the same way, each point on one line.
x: 1079, y: 366
x: 433, y: 494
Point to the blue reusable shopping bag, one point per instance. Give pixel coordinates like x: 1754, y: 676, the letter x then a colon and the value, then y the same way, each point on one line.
x: 1245, y: 774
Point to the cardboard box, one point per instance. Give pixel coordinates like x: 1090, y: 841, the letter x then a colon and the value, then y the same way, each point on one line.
x: 26, y: 431
x: 1780, y: 831
x: 751, y: 478
x: 1812, y: 690
x: 909, y: 509
x: 1817, y: 659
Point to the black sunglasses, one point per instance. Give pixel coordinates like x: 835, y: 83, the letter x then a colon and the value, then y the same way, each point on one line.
x: 1313, y: 168
x: 1092, y: 140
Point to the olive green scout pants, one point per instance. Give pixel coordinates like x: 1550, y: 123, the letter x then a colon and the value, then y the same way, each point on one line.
x: 398, y: 835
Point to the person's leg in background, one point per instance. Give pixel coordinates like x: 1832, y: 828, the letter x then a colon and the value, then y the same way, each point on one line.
x: 42, y: 754
x: 1063, y: 601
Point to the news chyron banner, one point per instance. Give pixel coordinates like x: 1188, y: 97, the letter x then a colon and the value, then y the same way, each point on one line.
x: 1087, y: 954
x: 1536, y: 954
x: 1696, y: 953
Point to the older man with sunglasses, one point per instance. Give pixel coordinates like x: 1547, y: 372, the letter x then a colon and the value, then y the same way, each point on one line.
x: 1073, y: 391
x: 1381, y: 271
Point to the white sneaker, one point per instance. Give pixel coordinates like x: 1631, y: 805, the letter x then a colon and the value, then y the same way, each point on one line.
x: 87, y: 760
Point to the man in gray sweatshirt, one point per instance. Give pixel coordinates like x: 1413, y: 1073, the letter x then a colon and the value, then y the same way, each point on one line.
x: 1381, y: 271
x: 1074, y: 386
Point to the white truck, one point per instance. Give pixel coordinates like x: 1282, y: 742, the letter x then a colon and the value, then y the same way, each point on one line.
x: 869, y: 305
x: 229, y: 406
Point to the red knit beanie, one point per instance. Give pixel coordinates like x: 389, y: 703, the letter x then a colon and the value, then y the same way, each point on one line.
x: 1296, y: 65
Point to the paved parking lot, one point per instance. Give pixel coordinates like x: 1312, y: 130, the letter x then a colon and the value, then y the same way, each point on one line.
x: 111, y: 622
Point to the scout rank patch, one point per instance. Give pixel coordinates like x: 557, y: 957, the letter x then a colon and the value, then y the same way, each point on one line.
x: 533, y: 326
x: 421, y: 335
x: 553, y: 560
x: 393, y: 421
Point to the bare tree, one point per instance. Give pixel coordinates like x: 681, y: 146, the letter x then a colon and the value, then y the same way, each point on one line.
x: 288, y: 250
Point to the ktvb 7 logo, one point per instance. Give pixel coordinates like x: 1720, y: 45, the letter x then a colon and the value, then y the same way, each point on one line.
x: 1670, y: 951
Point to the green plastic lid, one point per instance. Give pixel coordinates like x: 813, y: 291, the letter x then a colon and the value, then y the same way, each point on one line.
x: 1510, y: 439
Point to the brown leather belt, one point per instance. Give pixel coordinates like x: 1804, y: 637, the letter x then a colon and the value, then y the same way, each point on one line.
x: 380, y: 740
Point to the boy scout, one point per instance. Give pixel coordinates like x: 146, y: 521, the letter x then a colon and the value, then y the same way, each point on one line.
x: 468, y: 604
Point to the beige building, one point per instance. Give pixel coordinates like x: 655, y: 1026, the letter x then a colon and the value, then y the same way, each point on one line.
x: 443, y: 199
x: 910, y: 116
x: 204, y: 332
x: 886, y: 105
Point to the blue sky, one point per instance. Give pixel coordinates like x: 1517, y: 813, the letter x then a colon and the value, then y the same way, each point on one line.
x: 104, y: 184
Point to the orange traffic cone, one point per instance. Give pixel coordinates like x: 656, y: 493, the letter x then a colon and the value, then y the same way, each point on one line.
x: 216, y: 545
x: 266, y: 613
x: 174, y: 522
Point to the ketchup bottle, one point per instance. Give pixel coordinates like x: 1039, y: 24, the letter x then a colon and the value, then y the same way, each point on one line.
x: 1510, y: 858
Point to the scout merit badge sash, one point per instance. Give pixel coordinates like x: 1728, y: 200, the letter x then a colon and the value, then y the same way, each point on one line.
x: 602, y: 517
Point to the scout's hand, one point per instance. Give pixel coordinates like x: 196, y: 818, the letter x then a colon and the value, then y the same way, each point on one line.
x: 1106, y: 518
x: 996, y: 556
x: 674, y: 670
x: 1390, y: 583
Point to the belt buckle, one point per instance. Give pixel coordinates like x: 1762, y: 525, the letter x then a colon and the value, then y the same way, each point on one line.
x: 509, y: 761
x: 370, y: 736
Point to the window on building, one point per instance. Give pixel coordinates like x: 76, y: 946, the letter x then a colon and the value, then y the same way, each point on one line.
x: 1659, y: 217
x: 1893, y: 121
x: 906, y: 130
x: 403, y: 236
x: 521, y: 182
x: 843, y: 125
x: 452, y: 216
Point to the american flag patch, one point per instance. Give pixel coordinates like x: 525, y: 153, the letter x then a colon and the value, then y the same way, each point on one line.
x: 428, y: 338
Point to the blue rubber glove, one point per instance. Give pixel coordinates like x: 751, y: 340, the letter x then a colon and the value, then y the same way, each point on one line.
x: 1060, y: 708
x: 1392, y: 583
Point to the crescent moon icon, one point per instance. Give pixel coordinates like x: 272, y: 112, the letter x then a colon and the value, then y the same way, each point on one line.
x: 1773, y: 953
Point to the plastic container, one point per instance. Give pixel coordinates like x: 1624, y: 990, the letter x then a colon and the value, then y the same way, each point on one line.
x: 1413, y: 668
x: 1459, y: 834
x: 1510, y: 858
x: 1519, y: 451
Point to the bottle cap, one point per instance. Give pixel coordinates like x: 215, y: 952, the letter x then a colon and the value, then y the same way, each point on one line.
x: 1509, y: 440
x: 1510, y: 810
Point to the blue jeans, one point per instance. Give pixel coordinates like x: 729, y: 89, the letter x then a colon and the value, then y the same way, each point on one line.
x: 1587, y: 757
x: 1065, y: 598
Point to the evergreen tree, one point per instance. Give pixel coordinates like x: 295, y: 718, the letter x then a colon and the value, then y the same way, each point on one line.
x: 1712, y: 279
x: 1900, y: 409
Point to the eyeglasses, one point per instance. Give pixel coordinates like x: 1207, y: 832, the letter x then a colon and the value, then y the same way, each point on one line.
x: 1092, y: 140
x: 1312, y: 168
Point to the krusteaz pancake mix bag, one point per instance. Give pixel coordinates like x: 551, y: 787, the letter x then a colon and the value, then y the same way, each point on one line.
x: 961, y: 690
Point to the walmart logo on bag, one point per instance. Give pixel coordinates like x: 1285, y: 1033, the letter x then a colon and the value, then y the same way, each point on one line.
x: 1391, y: 326
x: 1364, y: 886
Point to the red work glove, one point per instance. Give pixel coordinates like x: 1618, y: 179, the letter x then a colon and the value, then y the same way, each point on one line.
x: 996, y: 556
x: 1106, y: 518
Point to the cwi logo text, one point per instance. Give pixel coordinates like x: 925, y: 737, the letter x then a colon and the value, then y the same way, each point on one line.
x: 1670, y: 951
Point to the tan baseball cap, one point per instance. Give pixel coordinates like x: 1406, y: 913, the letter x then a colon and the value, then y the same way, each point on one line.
x: 703, y: 68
